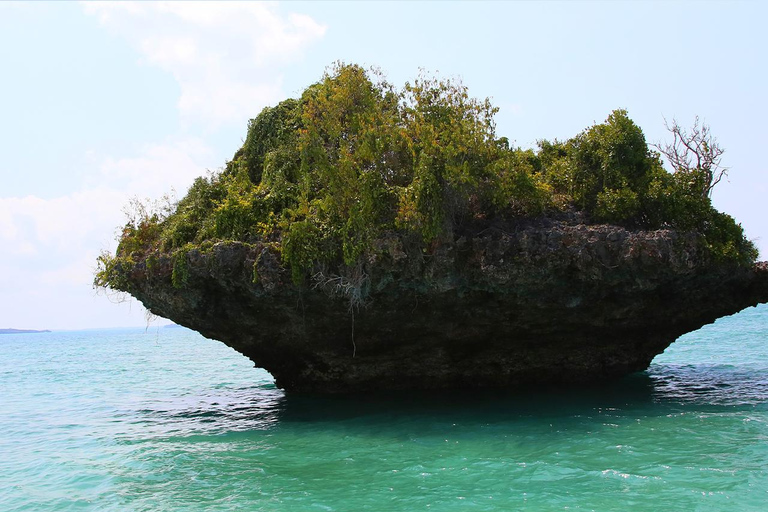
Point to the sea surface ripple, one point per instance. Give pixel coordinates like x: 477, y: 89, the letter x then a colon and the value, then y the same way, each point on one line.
x: 166, y: 420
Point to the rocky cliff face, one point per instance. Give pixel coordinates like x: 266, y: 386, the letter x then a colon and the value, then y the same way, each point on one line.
x: 551, y: 302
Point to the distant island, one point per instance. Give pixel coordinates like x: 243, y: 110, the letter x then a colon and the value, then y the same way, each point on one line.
x: 21, y: 331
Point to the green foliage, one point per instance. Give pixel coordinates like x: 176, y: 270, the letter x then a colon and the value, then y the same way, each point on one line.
x: 617, y: 205
x: 518, y: 186
x: 675, y: 200
x: 138, y: 237
x: 180, y: 272
x: 302, y: 247
x: 237, y: 213
x: 108, y: 273
x: 604, y: 170
x: 726, y: 241
x: 609, y: 172
x: 451, y: 138
x: 273, y: 128
x: 323, y: 176
x: 192, y: 213
x: 348, y: 137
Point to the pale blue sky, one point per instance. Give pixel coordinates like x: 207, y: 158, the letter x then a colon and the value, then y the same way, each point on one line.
x: 99, y: 103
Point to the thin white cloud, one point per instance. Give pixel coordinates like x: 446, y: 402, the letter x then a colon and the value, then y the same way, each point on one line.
x: 62, y: 226
x: 73, y: 273
x: 51, y: 245
x: 226, y: 56
x: 71, y: 223
x: 49, y: 253
x: 158, y: 168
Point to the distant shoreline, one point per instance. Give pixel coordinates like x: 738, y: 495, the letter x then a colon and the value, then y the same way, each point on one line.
x: 21, y: 331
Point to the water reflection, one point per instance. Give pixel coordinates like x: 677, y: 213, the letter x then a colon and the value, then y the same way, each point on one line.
x: 709, y: 385
x: 220, y: 410
x: 663, y: 389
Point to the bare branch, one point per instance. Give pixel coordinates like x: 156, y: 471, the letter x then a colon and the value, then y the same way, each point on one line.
x: 699, y: 146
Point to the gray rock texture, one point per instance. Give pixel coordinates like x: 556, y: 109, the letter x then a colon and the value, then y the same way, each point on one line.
x: 547, y: 302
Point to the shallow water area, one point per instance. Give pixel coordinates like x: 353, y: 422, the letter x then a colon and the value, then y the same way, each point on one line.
x: 166, y: 420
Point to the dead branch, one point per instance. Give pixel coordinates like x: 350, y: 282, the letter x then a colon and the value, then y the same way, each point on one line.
x: 694, y: 151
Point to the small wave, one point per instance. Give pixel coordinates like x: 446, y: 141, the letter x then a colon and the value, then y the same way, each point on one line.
x: 717, y: 384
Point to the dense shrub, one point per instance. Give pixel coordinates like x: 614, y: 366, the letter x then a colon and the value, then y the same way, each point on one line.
x: 326, y: 174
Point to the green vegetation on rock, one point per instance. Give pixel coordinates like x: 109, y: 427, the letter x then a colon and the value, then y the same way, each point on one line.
x: 322, y: 177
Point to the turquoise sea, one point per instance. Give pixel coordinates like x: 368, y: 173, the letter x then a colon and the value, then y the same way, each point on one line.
x: 166, y: 420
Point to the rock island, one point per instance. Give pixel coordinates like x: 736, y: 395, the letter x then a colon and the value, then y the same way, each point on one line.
x: 372, y: 238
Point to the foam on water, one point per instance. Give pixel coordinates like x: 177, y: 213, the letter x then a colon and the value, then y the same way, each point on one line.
x: 165, y: 420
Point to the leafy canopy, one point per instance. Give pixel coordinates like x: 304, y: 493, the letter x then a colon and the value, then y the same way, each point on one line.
x: 323, y: 176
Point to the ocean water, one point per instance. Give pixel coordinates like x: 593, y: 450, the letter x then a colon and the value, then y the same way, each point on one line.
x: 166, y: 420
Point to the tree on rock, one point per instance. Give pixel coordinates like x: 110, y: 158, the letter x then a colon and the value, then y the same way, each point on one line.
x: 695, y: 153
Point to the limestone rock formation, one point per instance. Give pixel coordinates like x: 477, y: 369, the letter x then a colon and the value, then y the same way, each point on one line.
x: 431, y: 253
x: 542, y: 302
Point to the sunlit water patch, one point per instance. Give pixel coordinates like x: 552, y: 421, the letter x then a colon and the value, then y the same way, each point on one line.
x: 165, y: 420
